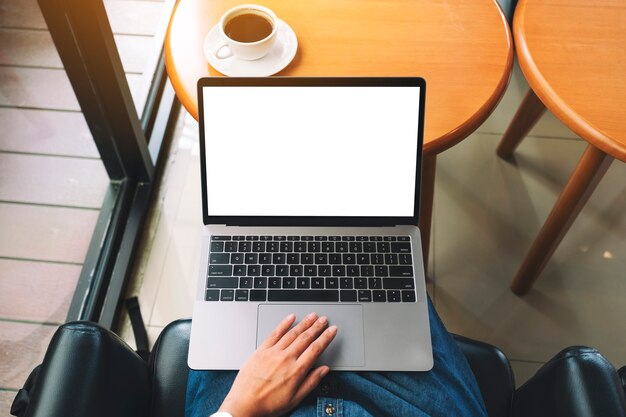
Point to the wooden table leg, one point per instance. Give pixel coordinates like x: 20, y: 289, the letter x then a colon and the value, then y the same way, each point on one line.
x: 529, y: 111
x: 583, y: 181
x: 427, y: 191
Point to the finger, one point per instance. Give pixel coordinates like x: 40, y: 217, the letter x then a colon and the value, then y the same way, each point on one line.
x: 278, y: 332
x: 307, y: 337
x: 315, y: 349
x: 310, y: 382
x: 292, y: 334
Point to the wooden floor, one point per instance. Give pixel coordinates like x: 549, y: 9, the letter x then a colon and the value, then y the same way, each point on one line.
x: 52, y: 181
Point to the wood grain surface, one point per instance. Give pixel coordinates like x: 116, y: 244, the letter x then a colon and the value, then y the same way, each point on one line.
x: 573, y: 54
x: 463, y: 48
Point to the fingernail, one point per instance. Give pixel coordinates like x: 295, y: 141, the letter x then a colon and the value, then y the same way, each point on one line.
x: 290, y: 317
x: 324, y: 372
x: 311, y: 316
x: 323, y: 320
x: 332, y: 329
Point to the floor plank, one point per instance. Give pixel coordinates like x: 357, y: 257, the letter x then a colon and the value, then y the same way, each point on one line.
x: 22, y: 347
x: 36, y: 291
x: 123, y: 16
x: 52, y: 180
x: 45, y: 233
x: 46, y: 132
x: 28, y: 47
x: 25, y: 47
x: 51, y: 89
x: 6, y: 399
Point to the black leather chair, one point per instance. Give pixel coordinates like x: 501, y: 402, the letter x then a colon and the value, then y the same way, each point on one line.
x: 89, y: 371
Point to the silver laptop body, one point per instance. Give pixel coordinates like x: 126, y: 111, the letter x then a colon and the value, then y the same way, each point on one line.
x: 310, y: 204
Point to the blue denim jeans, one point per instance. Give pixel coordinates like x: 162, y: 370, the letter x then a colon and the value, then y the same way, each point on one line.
x: 449, y: 389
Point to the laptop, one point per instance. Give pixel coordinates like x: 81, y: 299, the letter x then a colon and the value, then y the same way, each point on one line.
x: 310, y: 192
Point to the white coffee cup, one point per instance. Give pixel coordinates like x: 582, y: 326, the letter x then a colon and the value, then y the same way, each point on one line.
x: 248, y: 51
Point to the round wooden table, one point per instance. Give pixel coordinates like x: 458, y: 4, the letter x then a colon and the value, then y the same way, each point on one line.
x: 462, y: 48
x: 573, y: 55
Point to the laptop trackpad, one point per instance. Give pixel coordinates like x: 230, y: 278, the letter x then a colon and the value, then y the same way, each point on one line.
x: 346, y: 349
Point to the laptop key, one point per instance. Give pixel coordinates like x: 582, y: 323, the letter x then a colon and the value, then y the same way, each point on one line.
x: 361, y: 238
x: 286, y: 246
x: 236, y: 258
x: 254, y: 270
x: 341, y: 247
x: 345, y: 283
x: 278, y: 258
x: 227, y: 295
x: 299, y: 246
x: 267, y: 270
x: 310, y: 270
x: 347, y: 238
x: 307, y: 238
x: 404, y: 238
x: 272, y: 246
x: 274, y: 282
x: 375, y: 283
x: 295, y: 270
x: 293, y: 258
x: 401, y: 247
x: 309, y: 296
x: 282, y: 270
x: 220, y: 270
x: 292, y: 238
x: 317, y: 282
x: 217, y: 246
x: 363, y: 259
x: 391, y: 259
x: 230, y: 247
x: 306, y: 258
x: 332, y: 283
x: 364, y: 295
x: 369, y: 247
x: 289, y: 282
x: 408, y: 296
x: 239, y: 270
x: 381, y: 271
x: 360, y: 283
x: 220, y: 237
x: 260, y: 282
x: 321, y: 258
x: 258, y: 247
x: 383, y: 247
x: 314, y: 246
x: 219, y: 258
x: 334, y: 238
x: 222, y: 282
x: 303, y: 283
x: 339, y: 271
x: 252, y: 238
x: 356, y: 247
x: 251, y: 258
x: 349, y: 259
x: 389, y: 238
x: 400, y: 271
x: 245, y: 246
x: 405, y: 259
x: 239, y: 237
x: 266, y: 238
x: 379, y: 296
x: 352, y: 270
x: 348, y: 295
x: 377, y: 259
x: 393, y: 296
x: 265, y: 258
x: 367, y: 271
x: 334, y: 259
x: 245, y: 282
x: 328, y: 246
x: 324, y: 270
x: 398, y: 283
x: 212, y: 295
x: 280, y: 238
x: 258, y: 295
x: 241, y: 295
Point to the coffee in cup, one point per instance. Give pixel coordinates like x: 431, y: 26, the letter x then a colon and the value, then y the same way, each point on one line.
x: 248, y: 32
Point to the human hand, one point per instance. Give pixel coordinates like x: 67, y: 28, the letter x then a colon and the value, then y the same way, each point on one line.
x: 276, y: 377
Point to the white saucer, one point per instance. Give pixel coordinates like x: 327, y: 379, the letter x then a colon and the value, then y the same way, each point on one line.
x: 281, y: 54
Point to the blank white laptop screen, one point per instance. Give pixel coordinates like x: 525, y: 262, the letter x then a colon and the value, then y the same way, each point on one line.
x: 311, y: 151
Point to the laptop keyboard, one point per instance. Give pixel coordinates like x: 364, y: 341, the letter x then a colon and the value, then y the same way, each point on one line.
x: 311, y: 269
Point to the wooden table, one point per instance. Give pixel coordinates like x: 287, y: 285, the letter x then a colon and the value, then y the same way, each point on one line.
x: 573, y: 54
x: 463, y: 49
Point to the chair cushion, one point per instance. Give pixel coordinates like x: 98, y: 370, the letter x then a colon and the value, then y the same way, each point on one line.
x: 168, y: 365
x: 493, y: 374
x: 577, y: 382
x: 168, y: 368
